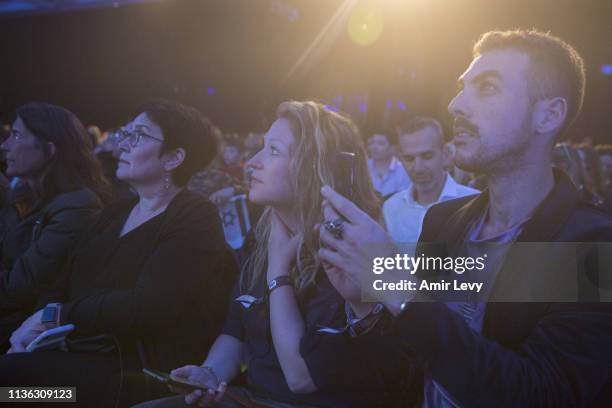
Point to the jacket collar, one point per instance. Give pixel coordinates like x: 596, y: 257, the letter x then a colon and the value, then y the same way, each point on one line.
x: 548, y: 218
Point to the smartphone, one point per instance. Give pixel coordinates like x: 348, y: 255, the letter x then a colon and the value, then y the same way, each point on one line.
x: 168, y: 380
x: 344, y: 173
x: 50, y: 339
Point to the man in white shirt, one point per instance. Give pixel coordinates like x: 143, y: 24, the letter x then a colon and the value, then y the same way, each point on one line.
x: 387, y: 173
x: 421, y: 146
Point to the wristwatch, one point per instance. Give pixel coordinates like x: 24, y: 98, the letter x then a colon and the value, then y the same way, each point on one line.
x: 51, y: 315
x: 278, y: 282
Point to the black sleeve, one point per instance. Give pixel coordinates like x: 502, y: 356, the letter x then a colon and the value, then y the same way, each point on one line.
x: 338, y: 360
x: 566, y: 360
x: 36, y: 270
x: 233, y: 322
x: 174, y: 278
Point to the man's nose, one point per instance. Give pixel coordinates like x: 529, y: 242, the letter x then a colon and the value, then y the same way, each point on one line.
x: 458, y: 105
x: 418, y: 164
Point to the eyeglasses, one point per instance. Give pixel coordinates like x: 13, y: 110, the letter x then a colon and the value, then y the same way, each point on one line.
x: 133, y: 136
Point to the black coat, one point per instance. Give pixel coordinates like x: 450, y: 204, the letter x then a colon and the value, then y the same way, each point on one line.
x: 34, y: 249
x: 529, y: 354
x: 166, y: 308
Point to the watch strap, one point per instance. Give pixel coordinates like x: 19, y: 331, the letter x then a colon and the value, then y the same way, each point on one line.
x: 278, y: 282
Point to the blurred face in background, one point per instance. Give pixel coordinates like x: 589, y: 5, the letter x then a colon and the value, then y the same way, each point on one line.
x: 253, y: 141
x: 231, y: 155
x: 270, y: 167
x: 380, y: 148
x: 606, y: 171
x: 492, y: 111
x: 26, y: 155
x: 425, y: 157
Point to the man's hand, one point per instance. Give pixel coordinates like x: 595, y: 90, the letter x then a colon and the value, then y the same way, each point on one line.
x: 349, y: 260
x: 26, y: 333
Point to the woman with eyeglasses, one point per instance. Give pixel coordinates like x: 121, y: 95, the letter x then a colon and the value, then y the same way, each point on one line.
x: 286, y: 322
x: 57, y: 187
x: 147, y: 283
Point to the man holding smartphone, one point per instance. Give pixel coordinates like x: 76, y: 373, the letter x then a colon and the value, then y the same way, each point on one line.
x: 521, y: 91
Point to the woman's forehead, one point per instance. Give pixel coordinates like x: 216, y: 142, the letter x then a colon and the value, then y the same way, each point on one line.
x: 144, y: 122
x: 280, y: 131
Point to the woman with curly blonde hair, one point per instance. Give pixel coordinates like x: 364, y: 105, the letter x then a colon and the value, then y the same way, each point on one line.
x: 284, y: 299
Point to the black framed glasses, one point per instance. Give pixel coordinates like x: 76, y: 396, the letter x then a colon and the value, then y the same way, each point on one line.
x: 133, y: 136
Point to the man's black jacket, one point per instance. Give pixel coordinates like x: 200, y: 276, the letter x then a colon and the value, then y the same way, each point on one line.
x: 529, y: 354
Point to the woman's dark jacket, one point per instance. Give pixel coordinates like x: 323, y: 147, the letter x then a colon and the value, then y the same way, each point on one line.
x: 33, y: 250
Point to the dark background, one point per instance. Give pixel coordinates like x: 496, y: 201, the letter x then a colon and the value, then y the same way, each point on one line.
x: 233, y: 59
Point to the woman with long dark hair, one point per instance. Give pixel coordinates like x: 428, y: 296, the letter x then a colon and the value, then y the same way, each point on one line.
x: 147, y: 283
x: 57, y: 187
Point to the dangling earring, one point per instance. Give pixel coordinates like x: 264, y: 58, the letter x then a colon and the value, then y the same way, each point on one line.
x: 167, y: 181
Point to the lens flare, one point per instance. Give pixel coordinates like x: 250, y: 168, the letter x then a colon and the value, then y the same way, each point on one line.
x: 366, y: 24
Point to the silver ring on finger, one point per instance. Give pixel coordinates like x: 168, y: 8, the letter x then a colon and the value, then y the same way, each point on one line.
x: 335, y: 227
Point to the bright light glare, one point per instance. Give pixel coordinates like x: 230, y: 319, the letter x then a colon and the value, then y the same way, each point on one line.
x: 366, y: 24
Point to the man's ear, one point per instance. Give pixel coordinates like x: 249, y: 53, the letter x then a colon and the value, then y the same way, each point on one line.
x: 549, y: 115
x: 174, y: 158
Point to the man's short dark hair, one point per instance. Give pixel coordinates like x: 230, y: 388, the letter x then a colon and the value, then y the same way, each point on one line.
x: 555, y: 67
x: 183, y: 127
x: 421, y: 122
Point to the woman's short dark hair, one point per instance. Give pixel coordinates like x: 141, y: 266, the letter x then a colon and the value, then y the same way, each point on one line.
x: 74, y: 165
x: 183, y: 127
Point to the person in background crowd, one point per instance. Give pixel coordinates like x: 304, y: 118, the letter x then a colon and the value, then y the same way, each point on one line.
x: 284, y: 297
x: 590, y: 171
x: 95, y: 135
x: 232, y: 159
x: 58, y: 187
x: 521, y: 91
x: 252, y: 144
x: 213, y: 179
x: 232, y: 165
x: 4, y: 182
x: 567, y: 159
x: 422, y: 149
x: 387, y: 173
x: 147, y: 283
x: 605, y: 159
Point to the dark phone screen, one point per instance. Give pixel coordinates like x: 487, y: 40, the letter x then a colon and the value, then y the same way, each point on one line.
x: 166, y: 379
x: 344, y: 173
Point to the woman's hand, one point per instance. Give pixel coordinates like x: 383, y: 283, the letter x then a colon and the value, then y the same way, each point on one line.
x: 199, y: 376
x: 282, y: 248
x: 26, y: 333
